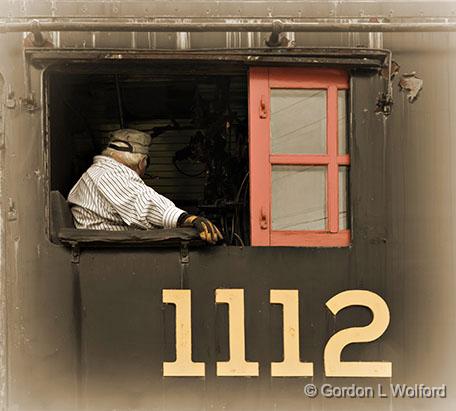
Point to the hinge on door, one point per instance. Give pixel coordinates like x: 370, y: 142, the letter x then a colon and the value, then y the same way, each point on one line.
x: 10, y: 101
x: 263, y: 108
x: 12, y: 211
x: 29, y: 103
x: 263, y: 220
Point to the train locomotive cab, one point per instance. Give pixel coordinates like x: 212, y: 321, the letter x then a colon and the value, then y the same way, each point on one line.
x: 282, y: 158
x: 243, y: 147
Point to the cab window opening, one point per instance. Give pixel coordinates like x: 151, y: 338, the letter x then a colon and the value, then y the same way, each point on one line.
x: 198, y: 123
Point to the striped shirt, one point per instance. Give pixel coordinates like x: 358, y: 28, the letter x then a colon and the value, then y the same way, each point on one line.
x: 111, y: 196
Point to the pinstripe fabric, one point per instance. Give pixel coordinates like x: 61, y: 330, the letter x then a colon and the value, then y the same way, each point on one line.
x: 111, y: 196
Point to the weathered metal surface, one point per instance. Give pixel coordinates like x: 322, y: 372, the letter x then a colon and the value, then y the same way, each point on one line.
x: 233, y: 12
x: 3, y: 294
x: 38, y: 298
x: 390, y: 72
x: 411, y: 85
x: 420, y: 154
x: 348, y: 57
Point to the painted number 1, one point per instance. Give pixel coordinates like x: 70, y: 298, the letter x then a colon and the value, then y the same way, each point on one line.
x: 291, y: 366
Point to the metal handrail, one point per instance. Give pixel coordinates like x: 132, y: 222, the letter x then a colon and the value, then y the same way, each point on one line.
x: 224, y: 26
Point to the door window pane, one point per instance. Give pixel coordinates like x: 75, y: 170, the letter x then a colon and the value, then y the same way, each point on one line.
x: 298, y: 121
x: 342, y: 128
x: 298, y: 198
x: 344, y: 219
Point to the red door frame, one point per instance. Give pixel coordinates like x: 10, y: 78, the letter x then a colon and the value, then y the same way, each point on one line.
x: 261, y: 81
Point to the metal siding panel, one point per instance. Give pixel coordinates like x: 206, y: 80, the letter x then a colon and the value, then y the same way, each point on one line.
x: 422, y: 207
x: 3, y: 278
x: 41, y: 346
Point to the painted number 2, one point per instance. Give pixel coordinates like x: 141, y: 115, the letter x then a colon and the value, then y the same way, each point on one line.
x: 291, y: 366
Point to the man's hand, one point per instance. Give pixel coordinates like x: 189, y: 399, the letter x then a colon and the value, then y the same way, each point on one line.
x: 207, y: 231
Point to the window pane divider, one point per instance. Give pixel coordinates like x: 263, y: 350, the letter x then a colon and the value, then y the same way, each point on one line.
x: 308, y: 159
x: 333, y: 172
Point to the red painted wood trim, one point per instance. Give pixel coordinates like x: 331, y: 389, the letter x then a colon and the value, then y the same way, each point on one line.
x: 295, y: 77
x: 333, y: 172
x: 310, y: 238
x: 260, y: 167
x: 261, y: 80
x: 343, y: 160
x: 309, y: 159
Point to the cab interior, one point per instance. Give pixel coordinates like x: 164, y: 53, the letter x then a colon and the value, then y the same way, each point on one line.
x: 198, y: 122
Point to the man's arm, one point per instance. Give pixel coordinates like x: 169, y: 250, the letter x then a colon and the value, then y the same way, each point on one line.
x: 140, y: 206
x: 136, y: 203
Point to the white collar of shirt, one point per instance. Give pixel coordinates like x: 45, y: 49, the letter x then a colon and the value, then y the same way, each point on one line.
x: 100, y: 160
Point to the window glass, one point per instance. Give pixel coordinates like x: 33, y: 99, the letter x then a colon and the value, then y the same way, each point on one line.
x: 343, y: 198
x: 298, y: 197
x: 298, y: 121
x: 342, y: 114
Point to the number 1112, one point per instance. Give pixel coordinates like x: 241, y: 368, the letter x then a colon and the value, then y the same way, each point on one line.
x: 291, y: 366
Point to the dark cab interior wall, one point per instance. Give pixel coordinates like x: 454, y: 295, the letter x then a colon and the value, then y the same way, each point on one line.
x: 199, y: 151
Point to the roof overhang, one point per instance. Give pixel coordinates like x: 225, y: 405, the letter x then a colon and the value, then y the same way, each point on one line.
x: 356, y: 58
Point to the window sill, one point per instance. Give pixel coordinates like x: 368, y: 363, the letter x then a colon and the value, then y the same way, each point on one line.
x: 146, y: 238
x: 310, y: 238
x: 62, y: 231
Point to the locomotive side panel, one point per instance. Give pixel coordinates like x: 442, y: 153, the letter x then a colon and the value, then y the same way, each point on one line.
x: 39, y: 281
x: 404, y: 228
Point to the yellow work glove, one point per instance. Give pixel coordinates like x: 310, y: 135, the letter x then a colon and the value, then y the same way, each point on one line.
x: 207, y: 231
